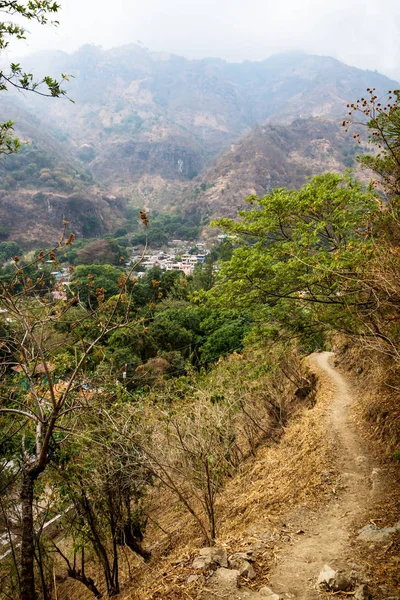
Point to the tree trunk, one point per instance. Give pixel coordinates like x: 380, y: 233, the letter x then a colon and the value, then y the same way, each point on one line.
x: 39, y: 560
x: 27, y: 590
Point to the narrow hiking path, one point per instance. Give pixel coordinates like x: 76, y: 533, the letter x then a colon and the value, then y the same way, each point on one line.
x: 326, y: 538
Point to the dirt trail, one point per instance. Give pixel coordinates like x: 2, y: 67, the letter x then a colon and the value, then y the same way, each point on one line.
x: 327, y: 532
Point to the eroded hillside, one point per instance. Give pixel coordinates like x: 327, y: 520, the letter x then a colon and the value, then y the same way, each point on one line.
x: 159, y: 131
x: 273, y: 156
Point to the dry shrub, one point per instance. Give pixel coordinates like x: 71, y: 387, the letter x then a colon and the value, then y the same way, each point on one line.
x: 377, y: 411
x: 264, y: 387
x: 378, y: 382
x: 297, y: 471
x: 242, y: 402
x: 190, y: 453
x: 249, y: 420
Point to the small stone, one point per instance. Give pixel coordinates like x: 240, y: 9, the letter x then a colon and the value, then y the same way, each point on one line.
x: 192, y: 579
x: 249, y: 556
x: 216, y: 555
x: 199, y: 563
x: 226, y: 578
x: 326, y: 577
x: 330, y: 579
x: 266, y: 592
x: 362, y: 592
x: 371, y: 533
x: 341, y: 584
x: 236, y: 561
x: 246, y: 570
x: 209, y: 556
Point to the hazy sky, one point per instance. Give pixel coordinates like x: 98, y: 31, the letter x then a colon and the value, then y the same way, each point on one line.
x: 363, y: 33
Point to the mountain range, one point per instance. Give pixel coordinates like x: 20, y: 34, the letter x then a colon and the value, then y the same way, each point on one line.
x: 162, y: 131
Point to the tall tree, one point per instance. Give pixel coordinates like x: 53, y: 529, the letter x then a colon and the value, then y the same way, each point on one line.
x: 321, y: 258
x: 380, y: 117
x: 301, y: 251
x: 105, y: 485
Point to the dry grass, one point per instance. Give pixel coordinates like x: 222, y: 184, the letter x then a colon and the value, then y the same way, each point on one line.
x: 298, y: 471
x: 378, y: 383
x: 256, y: 505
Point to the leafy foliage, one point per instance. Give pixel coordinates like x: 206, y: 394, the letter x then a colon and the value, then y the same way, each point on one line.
x: 15, y: 76
x: 165, y: 227
x: 302, y: 254
x: 382, y: 116
x: 32, y: 166
x: 114, y: 385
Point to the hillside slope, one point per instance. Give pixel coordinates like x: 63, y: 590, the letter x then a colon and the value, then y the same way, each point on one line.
x: 156, y: 130
x: 44, y: 183
x: 294, y: 506
x: 273, y: 156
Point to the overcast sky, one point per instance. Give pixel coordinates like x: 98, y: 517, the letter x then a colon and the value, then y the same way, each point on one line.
x: 363, y: 33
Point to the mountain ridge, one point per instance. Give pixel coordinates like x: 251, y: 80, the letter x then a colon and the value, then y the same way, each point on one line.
x: 151, y: 127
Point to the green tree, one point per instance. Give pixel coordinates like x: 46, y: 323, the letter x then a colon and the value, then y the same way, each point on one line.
x: 203, y: 277
x: 303, y: 256
x: 105, y: 488
x: 224, y: 340
x: 9, y: 250
x: 380, y: 117
x: 33, y: 404
x: 88, y: 280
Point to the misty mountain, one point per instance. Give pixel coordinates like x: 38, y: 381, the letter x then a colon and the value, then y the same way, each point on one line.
x: 44, y: 184
x: 275, y: 156
x: 164, y: 114
x: 147, y: 129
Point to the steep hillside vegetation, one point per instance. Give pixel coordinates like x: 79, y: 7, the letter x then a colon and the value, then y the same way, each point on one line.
x: 274, y: 156
x: 44, y: 183
x: 148, y: 128
x: 117, y: 398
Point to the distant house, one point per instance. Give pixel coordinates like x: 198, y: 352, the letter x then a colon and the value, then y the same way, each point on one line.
x: 57, y: 274
x: 180, y: 266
